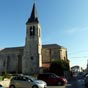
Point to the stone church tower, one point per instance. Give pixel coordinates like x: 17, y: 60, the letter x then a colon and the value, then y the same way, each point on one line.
x: 32, y: 57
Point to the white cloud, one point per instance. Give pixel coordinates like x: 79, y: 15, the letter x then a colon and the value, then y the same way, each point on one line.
x: 72, y: 31
x: 76, y: 30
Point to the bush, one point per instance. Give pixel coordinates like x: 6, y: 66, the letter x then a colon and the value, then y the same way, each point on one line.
x: 6, y: 75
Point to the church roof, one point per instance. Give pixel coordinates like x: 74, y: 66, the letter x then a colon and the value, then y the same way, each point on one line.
x: 12, y: 50
x: 21, y: 48
x: 48, y: 46
x: 33, y: 17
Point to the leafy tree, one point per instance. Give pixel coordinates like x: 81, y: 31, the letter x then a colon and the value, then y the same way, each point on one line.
x: 59, y: 66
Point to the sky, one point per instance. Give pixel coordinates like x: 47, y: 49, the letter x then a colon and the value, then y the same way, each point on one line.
x: 63, y: 22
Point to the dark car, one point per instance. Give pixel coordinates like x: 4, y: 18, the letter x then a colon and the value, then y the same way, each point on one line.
x: 52, y: 79
x: 80, y: 75
x: 86, y: 81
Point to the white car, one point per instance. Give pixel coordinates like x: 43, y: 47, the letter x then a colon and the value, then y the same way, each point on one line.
x: 26, y: 82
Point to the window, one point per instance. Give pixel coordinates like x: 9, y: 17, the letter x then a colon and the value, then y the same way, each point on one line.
x: 8, y: 62
x: 32, y: 31
x: 39, y: 32
x: 32, y: 58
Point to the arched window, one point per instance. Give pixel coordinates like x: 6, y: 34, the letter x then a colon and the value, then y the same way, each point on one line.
x: 32, y: 31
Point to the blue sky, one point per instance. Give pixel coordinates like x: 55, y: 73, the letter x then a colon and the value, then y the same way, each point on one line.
x: 63, y: 22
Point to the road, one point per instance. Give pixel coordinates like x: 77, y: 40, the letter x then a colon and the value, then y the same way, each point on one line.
x: 74, y: 83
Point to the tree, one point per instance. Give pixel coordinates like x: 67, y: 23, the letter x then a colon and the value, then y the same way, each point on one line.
x: 59, y: 66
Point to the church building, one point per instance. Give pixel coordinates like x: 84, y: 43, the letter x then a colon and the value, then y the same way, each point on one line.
x: 34, y: 56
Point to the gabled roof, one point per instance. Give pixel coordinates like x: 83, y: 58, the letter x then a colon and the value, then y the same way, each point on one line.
x: 33, y: 17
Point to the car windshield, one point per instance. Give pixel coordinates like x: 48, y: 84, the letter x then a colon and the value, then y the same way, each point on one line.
x: 54, y: 75
x: 31, y: 78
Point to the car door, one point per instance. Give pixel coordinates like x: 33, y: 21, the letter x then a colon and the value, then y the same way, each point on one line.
x: 22, y: 82
x: 17, y: 82
x: 25, y: 83
x: 52, y: 79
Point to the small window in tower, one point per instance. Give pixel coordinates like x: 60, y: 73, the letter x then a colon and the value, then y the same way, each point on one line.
x: 32, y: 31
x: 32, y: 58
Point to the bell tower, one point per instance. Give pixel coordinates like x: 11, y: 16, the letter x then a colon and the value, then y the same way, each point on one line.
x: 32, y: 57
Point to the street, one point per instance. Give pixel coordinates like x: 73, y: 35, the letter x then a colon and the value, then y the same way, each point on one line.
x: 74, y: 83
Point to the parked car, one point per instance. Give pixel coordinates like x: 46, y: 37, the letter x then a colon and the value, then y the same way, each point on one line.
x: 80, y: 75
x: 52, y: 79
x: 86, y: 81
x: 26, y: 82
x: 85, y: 75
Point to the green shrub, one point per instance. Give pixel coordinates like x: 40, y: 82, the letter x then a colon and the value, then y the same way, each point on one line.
x: 6, y: 75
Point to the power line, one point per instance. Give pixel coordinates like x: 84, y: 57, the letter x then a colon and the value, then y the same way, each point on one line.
x: 81, y: 51
x: 80, y: 57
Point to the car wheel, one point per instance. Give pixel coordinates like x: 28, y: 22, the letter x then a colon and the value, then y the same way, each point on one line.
x: 35, y: 86
x: 12, y: 86
x: 59, y: 83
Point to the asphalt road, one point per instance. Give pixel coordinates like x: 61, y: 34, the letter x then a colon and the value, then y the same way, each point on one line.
x: 56, y: 87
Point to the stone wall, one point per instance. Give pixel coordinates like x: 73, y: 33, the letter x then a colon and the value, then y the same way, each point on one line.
x: 9, y: 58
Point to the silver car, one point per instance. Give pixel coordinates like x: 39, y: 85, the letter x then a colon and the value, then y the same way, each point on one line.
x: 26, y: 82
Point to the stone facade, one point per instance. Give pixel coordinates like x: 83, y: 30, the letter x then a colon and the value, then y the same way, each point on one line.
x: 11, y: 58
x: 32, y: 51
x: 56, y: 51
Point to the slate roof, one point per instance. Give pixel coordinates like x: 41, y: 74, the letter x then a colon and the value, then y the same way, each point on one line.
x: 20, y: 49
x: 48, y: 46
x: 33, y: 18
x: 12, y: 49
